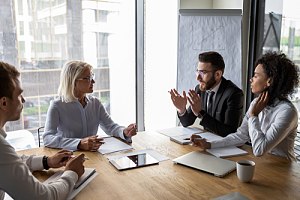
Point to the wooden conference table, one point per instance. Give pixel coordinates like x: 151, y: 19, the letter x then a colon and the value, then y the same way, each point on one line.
x: 274, y: 178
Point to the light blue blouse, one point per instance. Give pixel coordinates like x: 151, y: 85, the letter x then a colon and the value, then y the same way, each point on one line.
x: 273, y: 131
x: 68, y: 123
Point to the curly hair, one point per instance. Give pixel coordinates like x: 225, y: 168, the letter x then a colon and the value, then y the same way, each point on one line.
x: 283, y: 73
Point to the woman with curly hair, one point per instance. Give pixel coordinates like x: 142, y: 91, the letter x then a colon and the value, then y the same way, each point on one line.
x: 271, y: 121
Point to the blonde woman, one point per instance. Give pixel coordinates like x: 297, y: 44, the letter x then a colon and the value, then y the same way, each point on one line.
x: 73, y: 119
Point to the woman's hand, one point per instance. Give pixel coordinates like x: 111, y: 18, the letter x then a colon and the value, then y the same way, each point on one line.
x: 200, y: 142
x: 91, y: 143
x: 130, y: 130
x: 260, y: 104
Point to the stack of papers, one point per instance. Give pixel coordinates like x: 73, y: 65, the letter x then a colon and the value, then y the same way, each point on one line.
x: 224, y: 152
x: 88, y: 176
x: 179, y: 130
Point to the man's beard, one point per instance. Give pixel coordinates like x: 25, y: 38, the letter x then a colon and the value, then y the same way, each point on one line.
x: 209, y: 84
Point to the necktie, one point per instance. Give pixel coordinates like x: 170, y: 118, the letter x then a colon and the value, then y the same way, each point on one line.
x: 210, y: 102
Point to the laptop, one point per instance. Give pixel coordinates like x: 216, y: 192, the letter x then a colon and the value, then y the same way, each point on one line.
x: 207, y: 163
x: 133, y: 161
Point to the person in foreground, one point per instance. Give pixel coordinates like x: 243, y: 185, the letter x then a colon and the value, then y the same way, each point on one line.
x: 222, y: 114
x: 271, y: 121
x: 73, y: 119
x: 16, y: 178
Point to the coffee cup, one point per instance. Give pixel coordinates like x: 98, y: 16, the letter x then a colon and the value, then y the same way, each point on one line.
x: 245, y: 170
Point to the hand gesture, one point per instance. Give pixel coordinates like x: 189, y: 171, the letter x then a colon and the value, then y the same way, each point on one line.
x: 178, y: 100
x: 200, y: 142
x: 91, y: 143
x: 195, y: 102
x: 59, y: 159
x: 260, y: 104
x: 130, y: 130
x: 76, y: 165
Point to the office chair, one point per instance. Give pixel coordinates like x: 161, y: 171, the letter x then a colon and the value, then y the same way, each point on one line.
x: 40, y: 136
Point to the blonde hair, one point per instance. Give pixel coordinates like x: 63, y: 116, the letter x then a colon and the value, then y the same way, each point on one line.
x: 69, y: 73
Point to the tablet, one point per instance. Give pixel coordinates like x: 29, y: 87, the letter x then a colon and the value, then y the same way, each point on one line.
x: 133, y: 161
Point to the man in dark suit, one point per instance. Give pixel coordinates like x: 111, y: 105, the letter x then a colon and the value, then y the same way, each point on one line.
x: 216, y: 101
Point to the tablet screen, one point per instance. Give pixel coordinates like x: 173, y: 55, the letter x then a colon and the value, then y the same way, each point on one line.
x: 133, y: 161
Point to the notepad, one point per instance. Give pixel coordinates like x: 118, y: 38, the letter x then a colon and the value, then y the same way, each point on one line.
x: 88, y: 176
x: 224, y: 152
x: 179, y: 130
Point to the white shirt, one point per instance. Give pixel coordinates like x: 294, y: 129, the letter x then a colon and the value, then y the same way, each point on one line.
x: 274, y: 131
x: 17, y: 180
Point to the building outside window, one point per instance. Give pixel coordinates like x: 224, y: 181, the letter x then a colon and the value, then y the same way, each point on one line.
x: 49, y: 33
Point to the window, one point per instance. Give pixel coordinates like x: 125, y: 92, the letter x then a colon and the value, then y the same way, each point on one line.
x: 53, y: 32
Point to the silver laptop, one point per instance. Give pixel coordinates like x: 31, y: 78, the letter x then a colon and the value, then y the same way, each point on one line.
x: 217, y: 166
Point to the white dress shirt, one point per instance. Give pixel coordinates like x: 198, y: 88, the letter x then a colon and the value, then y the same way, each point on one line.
x: 273, y: 131
x: 17, y: 180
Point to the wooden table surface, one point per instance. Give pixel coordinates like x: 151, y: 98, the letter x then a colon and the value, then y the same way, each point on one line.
x: 275, y: 178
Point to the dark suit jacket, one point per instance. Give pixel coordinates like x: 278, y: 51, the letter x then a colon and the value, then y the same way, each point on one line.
x: 227, y: 110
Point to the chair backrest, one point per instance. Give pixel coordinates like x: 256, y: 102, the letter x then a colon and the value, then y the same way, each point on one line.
x: 40, y: 136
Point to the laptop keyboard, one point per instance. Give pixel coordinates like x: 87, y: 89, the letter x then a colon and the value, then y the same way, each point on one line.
x: 297, y: 147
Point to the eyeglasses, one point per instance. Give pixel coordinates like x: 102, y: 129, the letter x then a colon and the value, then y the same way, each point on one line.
x: 202, y: 72
x: 89, y: 78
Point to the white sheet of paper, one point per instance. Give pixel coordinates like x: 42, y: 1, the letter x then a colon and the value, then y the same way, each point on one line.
x: 158, y: 156
x: 179, y: 130
x: 210, y: 136
x: 224, y: 152
x: 113, y: 145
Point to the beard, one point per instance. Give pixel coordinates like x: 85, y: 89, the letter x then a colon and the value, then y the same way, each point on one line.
x: 207, y: 85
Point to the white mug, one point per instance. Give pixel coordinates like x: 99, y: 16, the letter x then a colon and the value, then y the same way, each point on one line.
x: 245, y: 170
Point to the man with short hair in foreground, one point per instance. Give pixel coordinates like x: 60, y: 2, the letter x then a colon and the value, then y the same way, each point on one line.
x: 16, y: 178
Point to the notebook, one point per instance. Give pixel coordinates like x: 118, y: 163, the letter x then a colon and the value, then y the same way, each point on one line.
x: 207, y: 163
x: 224, y: 152
x: 88, y: 175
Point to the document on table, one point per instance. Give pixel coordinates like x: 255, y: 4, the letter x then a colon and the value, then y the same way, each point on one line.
x: 113, y: 145
x: 185, y: 138
x: 88, y: 176
x: 224, y: 152
x: 151, y: 152
x: 180, y: 130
